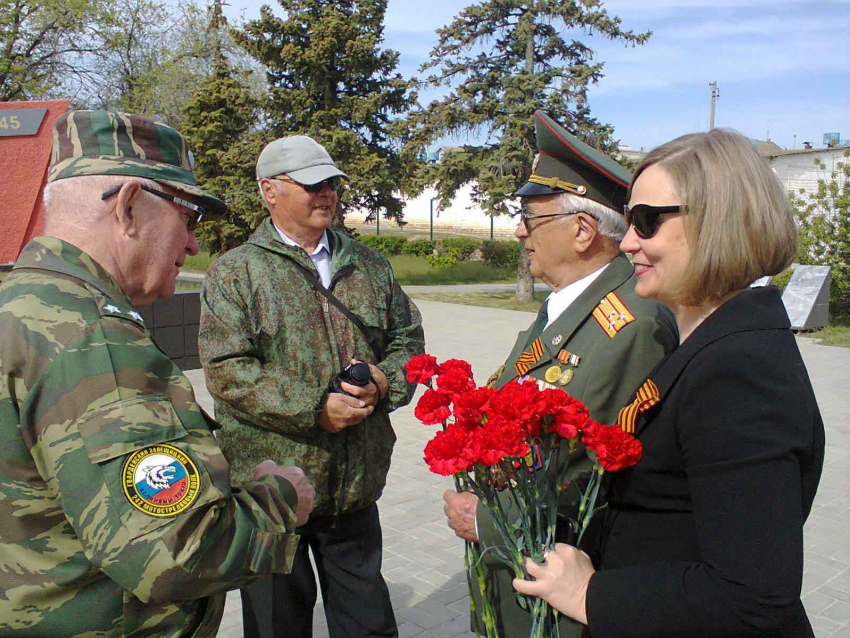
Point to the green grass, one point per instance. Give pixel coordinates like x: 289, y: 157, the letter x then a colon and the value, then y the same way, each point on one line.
x: 416, y: 271
x: 835, y: 334
x: 200, y: 262
x: 503, y: 300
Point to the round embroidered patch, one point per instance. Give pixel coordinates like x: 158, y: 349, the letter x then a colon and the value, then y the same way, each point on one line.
x: 160, y: 480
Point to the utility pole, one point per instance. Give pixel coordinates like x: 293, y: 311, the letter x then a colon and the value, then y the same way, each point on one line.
x: 715, y: 95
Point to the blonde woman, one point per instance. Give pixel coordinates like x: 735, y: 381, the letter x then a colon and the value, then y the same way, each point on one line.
x: 704, y: 537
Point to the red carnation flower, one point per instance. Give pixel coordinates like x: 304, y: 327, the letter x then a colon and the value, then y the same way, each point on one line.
x: 614, y: 448
x: 432, y: 408
x: 497, y: 440
x: 570, y: 417
x: 516, y: 400
x: 421, y: 369
x: 451, y: 364
x: 454, y: 382
x: 517, y: 403
x: 472, y: 404
x: 549, y: 401
x: 448, y: 453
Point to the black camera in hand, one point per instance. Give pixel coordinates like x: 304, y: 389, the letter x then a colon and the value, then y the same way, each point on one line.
x: 354, y: 373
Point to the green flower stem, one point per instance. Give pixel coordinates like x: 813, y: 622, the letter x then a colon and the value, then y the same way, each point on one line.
x: 585, y: 516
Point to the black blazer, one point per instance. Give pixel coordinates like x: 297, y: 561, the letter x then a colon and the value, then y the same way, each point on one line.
x: 704, y: 536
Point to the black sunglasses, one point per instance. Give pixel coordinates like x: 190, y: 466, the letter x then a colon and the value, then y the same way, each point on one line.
x: 194, y: 218
x: 334, y: 183
x: 527, y: 218
x: 645, y: 217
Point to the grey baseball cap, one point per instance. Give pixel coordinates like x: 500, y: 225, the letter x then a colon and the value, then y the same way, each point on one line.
x: 300, y: 157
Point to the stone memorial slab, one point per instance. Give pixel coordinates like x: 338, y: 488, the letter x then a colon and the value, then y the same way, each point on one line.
x: 806, y: 297
x: 761, y: 282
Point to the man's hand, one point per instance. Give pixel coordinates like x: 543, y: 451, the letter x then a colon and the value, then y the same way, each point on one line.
x: 341, y: 411
x: 460, y: 511
x: 303, y: 488
x: 371, y: 393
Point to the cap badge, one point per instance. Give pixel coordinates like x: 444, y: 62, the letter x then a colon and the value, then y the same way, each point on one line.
x: 535, y: 163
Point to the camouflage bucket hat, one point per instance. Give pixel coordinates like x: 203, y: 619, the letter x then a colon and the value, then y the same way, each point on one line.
x: 108, y: 143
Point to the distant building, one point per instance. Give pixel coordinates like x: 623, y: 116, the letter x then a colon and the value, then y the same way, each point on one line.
x: 796, y: 169
x: 629, y: 153
x: 462, y: 217
x: 766, y: 147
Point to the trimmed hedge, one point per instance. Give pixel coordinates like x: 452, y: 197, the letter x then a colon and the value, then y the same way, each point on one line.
x: 446, y: 252
x: 458, y: 247
x: 418, y: 247
x: 387, y: 245
x: 500, y: 254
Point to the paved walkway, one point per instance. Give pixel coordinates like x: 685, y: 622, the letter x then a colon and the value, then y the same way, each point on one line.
x: 423, y: 560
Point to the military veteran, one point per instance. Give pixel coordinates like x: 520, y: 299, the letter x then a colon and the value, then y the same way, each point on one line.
x: 281, y: 317
x: 117, y: 516
x: 593, y: 337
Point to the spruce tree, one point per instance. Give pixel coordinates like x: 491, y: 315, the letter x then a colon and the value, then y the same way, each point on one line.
x: 503, y: 60
x: 220, y: 129
x: 329, y: 79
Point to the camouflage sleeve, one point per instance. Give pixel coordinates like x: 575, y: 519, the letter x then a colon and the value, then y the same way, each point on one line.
x: 406, y: 340
x: 234, y: 369
x: 115, y: 432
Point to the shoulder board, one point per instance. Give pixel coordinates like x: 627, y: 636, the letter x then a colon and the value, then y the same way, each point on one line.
x: 612, y: 315
x: 109, y: 308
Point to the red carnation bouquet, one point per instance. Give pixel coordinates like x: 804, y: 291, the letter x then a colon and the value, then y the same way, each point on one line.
x: 516, y: 442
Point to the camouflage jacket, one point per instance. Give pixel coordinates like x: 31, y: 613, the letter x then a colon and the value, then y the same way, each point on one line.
x: 117, y: 517
x: 270, y: 345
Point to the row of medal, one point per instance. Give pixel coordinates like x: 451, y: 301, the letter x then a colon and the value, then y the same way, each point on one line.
x: 563, y: 375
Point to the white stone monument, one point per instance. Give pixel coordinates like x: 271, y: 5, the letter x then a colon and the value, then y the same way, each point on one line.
x: 806, y: 297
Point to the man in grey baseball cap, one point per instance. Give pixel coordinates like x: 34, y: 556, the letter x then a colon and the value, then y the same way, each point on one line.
x: 271, y: 344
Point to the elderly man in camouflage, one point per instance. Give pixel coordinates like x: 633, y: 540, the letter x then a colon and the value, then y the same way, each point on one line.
x: 271, y: 344
x: 117, y: 517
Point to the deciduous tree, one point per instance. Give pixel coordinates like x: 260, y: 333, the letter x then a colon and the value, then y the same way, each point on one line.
x: 824, y: 228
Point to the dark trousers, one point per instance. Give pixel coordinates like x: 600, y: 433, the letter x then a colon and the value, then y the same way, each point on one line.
x: 348, y: 562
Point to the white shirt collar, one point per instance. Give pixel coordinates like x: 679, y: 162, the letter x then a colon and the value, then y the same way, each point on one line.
x: 286, y: 239
x: 558, y: 302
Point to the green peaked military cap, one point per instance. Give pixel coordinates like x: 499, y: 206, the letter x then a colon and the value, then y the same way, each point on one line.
x: 111, y: 143
x: 565, y: 164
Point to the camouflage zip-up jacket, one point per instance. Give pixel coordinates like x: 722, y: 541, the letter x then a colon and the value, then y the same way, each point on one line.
x: 270, y: 345
x: 117, y: 517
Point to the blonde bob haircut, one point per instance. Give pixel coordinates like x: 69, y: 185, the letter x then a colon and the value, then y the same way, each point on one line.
x: 739, y: 224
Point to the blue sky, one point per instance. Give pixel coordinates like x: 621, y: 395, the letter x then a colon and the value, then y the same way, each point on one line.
x: 782, y: 66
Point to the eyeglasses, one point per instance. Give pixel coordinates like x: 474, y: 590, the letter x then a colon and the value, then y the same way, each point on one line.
x: 527, y: 218
x: 645, y: 217
x: 193, y: 219
x: 334, y: 183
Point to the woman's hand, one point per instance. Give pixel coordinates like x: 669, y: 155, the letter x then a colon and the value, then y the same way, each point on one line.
x: 561, y: 580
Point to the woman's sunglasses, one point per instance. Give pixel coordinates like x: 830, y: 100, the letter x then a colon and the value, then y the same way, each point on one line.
x: 645, y: 217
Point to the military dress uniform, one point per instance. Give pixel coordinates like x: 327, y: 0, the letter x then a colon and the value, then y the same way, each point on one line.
x: 598, y: 350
